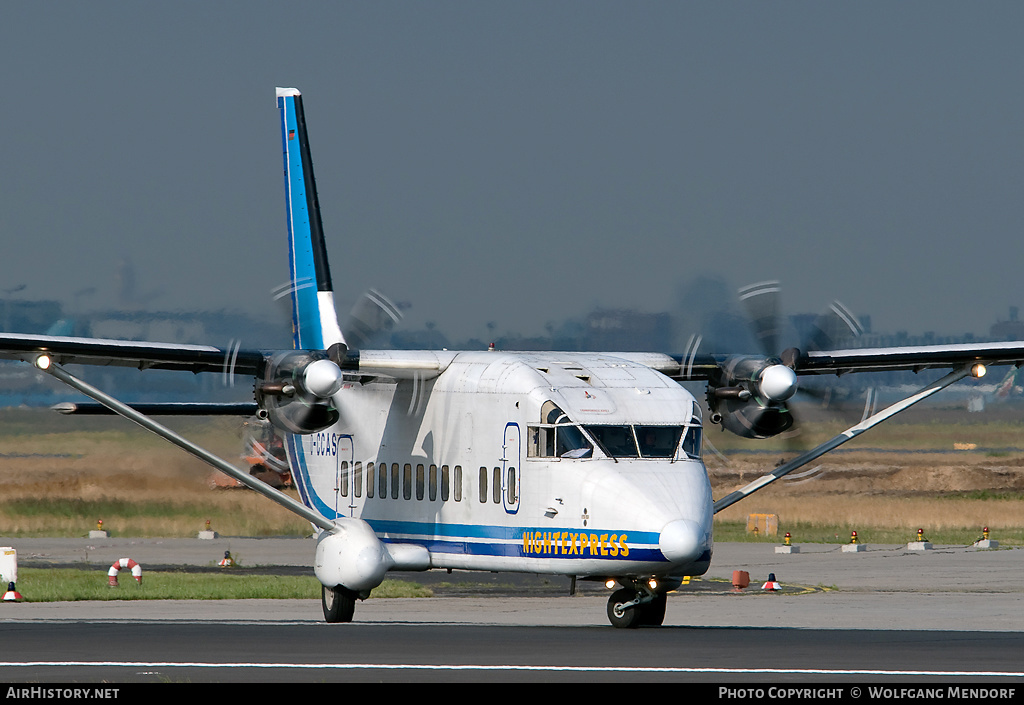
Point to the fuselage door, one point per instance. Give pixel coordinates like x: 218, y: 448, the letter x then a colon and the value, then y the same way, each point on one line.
x: 510, y: 468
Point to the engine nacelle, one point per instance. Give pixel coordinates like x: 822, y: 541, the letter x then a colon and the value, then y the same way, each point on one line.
x: 749, y: 395
x: 352, y: 556
x: 296, y: 390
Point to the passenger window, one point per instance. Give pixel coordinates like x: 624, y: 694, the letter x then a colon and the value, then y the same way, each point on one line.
x: 511, y: 486
x: 483, y: 485
x: 457, y: 483
x: 420, y: 481
x: 357, y: 479
x: 496, y: 489
x: 407, y: 481
x: 395, y: 472
x: 444, y: 483
x: 432, y: 484
x: 343, y: 478
x: 369, y: 480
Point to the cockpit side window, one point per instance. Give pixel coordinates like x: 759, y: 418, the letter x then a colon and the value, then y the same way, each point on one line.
x: 571, y: 443
x: 692, y: 439
x: 557, y: 436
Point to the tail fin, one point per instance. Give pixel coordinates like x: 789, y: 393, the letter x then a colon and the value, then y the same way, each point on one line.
x: 314, y: 320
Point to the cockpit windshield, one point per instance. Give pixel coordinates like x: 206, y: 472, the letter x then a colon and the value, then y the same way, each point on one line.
x: 647, y: 441
x: 558, y: 437
x: 615, y: 441
x: 658, y: 441
x: 637, y: 441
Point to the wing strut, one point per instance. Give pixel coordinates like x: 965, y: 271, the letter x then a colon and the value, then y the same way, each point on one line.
x: 47, y: 365
x: 842, y: 438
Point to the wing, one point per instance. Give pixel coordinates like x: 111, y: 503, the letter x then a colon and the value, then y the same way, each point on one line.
x: 122, y: 353
x: 910, y: 358
x: 685, y: 368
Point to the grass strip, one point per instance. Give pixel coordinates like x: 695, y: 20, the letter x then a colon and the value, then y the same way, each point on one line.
x: 840, y: 533
x: 72, y: 584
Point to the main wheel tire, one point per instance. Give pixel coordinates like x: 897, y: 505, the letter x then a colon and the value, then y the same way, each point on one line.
x: 339, y: 604
x: 652, y: 614
x: 628, y: 618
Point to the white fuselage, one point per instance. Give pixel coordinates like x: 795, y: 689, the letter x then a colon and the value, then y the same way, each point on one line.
x: 464, y: 464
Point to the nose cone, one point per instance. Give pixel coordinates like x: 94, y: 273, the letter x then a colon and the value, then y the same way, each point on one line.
x: 682, y: 541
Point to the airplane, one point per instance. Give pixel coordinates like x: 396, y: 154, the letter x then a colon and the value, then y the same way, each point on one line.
x: 587, y: 465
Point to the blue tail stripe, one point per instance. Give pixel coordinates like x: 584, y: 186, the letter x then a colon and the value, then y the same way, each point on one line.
x: 306, y: 328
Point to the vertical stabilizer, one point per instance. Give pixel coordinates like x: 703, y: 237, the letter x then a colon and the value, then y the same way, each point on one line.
x: 314, y: 321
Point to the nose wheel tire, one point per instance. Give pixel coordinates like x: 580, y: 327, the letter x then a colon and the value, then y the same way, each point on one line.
x: 339, y: 604
x: 650, y: 614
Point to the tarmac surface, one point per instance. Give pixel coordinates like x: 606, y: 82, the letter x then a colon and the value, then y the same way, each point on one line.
x: 883, y: 587
x: 952, y: 615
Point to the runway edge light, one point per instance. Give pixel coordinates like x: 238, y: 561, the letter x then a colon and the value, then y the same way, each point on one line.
x: 985, y: 541
x: 920, y: 544
x: 787, y: 545
x: 208, y: 534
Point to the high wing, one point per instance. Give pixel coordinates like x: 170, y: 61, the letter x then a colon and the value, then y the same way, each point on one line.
x: 124, y: 353
x: 911, y: 358
x: 839, y: 362
x: 208, y: 358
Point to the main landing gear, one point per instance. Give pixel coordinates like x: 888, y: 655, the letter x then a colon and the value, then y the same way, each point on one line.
x: 339, y: 603
x: 637, y: 606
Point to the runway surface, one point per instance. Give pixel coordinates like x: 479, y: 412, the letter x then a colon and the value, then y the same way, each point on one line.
x: 953, y: 614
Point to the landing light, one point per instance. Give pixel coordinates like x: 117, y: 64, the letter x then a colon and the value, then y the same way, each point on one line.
x: 43, y: 362
x: 978, y: 370
x: 609, y: 584
x: 652, y: 584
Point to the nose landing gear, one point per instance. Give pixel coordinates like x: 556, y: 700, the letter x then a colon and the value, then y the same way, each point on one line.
x: 637, y: 606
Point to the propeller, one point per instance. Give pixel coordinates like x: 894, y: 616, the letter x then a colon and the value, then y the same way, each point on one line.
x: 751, y: 395
x: 297, y: 388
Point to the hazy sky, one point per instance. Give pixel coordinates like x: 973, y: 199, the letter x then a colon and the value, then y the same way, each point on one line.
x: 521, y: 162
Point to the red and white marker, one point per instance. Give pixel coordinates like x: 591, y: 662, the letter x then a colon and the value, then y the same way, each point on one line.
x: 120, y: 563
